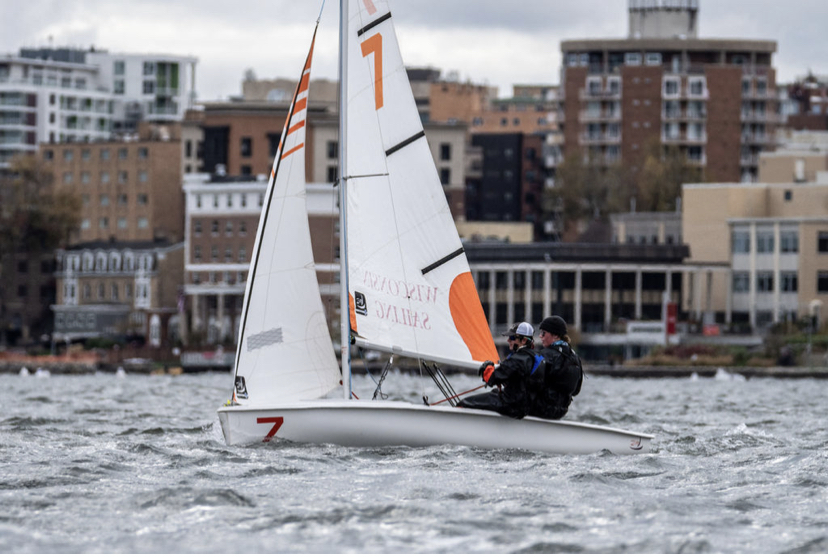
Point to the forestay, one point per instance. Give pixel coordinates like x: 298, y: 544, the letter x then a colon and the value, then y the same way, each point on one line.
x: 285, y: 351
x: 410, y: 286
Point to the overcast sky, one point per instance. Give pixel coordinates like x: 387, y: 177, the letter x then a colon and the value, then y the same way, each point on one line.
x: 498, y: 42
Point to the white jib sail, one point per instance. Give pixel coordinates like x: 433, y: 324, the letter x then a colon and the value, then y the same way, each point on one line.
x: 409, y: 280
x: 285, y: 351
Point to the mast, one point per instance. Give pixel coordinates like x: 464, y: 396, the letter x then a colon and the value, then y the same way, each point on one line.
x: 344, y: 305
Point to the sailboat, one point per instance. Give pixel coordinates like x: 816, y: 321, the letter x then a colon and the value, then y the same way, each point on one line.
x: 404, y: 280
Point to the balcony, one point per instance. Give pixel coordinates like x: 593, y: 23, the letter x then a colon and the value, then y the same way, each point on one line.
x: 597, y: 94
x: 602, y: 116
x: 749, y: 160
x: 600, y: 138
x: 684, y: 138
x: 757, y: 138
x: 683, y: 115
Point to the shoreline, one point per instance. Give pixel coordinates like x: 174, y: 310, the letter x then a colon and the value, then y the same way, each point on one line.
x: 595, y: 370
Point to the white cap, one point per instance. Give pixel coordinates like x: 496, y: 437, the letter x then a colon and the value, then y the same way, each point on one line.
x: 525, y: 330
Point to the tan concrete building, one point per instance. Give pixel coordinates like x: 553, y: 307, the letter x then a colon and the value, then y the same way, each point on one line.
x: 713, y: 99
x: 767, y: 248
x: 131, y: 190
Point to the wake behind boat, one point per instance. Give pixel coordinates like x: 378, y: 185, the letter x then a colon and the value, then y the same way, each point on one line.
x: 405, y: 280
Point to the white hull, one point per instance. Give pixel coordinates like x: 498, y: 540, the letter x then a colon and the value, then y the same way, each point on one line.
x: 372, y: 424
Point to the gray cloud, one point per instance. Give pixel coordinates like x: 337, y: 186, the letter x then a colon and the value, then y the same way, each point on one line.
x: 489, y: 41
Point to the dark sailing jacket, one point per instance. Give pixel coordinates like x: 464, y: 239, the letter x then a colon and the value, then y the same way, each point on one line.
x: 512, y: 374
x: 553, y: 384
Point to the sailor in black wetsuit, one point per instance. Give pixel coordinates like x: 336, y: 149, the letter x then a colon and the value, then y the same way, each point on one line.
x: 553, y: 385
x: 510, y: 398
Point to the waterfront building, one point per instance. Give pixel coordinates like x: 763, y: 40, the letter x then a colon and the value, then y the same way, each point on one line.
x: 122, y: 290
x: 57, y: 95
x: 222, y: 216
x: 713, y: 99
x: 773, y: 240
x: 130, y: 190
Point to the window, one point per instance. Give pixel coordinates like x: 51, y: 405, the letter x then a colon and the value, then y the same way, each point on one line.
x: 445, y: 176
x: 103, y: 222
x: 85, y: 177
x: 332, y: 172
x: 246, y: 170
x: 696, y: 86
x: 119, y: 67
x: 822, y: 281
x: 122, y: 223
x: 242, y: 228
x: 764, y: 241
x: 197, y: 253
x: 123, y: 199
x: 214, y: 253
x: 104, y: 154
x: 149, y: 68
x: 229, y: 199
x: 142, y: 175
x: 122, y: 154
x: 228, y: 255
x: 789, y: 242
x: 822, y: 242
x: 143, y: 222
x: 445, y: 151
x: 632, y: 58
x: 214, y: 228
x: 48, y: 155
x: 741, y: 282
x: 653, y: 59
x: 332, y: 148
x: 143, y: 199
x: 118, y: 88
x: 104, y: 177
x: 614, y: 87
x: 228, y: 228
x: 148, y: 87
x: 85, y: 224
x: 114, y: 291
x: 741, y: 242
x: 197, y: 227
x: 789, y: 281
x: 671, y: 87
x: 246, y: 146
x: 143, y: 153
x: 122, y: 176
x: 104, y: 200
x: 764, y: 281
x: 242, y: 254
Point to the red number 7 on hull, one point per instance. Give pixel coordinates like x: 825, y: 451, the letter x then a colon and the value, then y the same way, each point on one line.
x: 277, y: 423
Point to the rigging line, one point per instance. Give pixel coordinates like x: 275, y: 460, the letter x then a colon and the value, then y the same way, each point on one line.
x: 458, y: 395
x: 318, y: 19
x: 251, y: 275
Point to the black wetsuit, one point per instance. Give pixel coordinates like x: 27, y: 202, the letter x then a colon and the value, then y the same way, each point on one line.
x: 553, y: 385
x: 512, y: 400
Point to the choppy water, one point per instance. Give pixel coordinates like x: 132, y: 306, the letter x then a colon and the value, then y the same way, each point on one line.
x: 137, y: 464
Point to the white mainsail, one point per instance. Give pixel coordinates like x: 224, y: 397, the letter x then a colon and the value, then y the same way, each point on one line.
x: 285, y: 351
x: 409, y: 281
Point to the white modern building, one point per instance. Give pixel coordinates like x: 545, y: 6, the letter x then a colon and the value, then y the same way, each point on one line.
x: 68, y: 95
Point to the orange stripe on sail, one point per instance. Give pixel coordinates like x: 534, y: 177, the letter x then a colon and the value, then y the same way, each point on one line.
x: 470, y: 320
x: 303, y: 86
x: 300, y: 104
x: 296, y: 127
x: 288, y: 153
x: 369, y: 5
x: 352, y: 309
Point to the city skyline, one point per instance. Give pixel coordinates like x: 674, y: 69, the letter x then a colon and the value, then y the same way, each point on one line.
x: 481, y: 40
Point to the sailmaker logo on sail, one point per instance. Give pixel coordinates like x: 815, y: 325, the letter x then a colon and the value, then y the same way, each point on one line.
x: 422, y: 293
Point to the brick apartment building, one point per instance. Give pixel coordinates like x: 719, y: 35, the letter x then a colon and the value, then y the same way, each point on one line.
x: 713, y: 99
